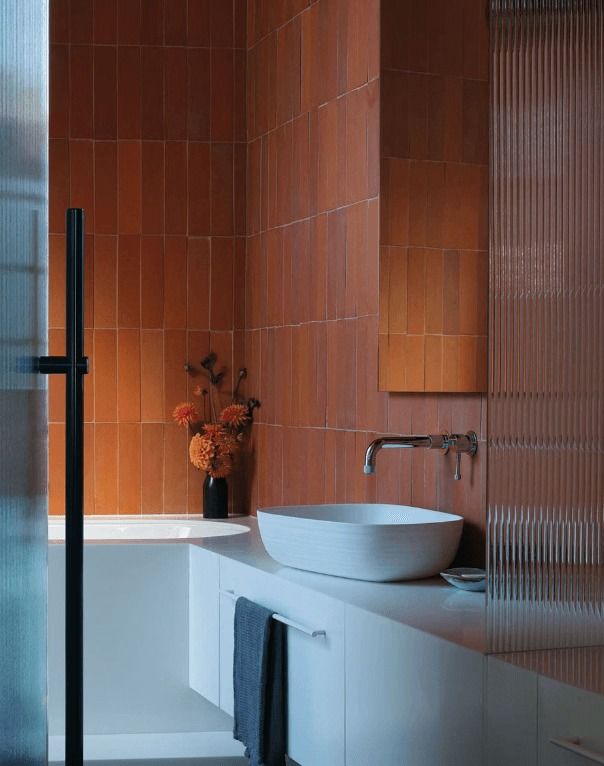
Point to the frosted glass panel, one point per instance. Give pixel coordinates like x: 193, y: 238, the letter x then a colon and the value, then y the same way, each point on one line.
x: 546, y: 378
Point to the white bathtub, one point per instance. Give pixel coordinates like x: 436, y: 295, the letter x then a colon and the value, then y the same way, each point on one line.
x: 138, y: 699
x: 140, y: 528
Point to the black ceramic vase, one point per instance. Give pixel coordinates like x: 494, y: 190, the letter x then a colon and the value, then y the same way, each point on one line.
x: 215, y: 498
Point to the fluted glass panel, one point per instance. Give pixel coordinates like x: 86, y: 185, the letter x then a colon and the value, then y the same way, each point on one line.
x: 546, y: 379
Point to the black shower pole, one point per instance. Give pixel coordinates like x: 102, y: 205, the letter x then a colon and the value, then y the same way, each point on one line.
x: 74, y: 365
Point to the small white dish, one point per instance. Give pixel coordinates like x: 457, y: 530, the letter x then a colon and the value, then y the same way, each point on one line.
x: 466, y: 578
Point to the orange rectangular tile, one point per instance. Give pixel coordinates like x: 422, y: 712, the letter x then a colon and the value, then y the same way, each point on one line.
x: 128, y: 22
x: 198, y: 346
x: 319, y: 257
x: 221, y: 344
x: 434, y: 363
x: 88, y: 280
x: 81, y: 174
x: 176, y: 377
x: 222, y: 193
x: 152, y: 376
x: 445, y: 118
x: 417, y: 106
x: 176, y: 460
x: 222, y: 91
x: 300, y: 164
x: 59, y: 184
x: 239, y: 186
x: 328, y: 156
x: 357, y: 177
x: 475, y: 40
x: 105, y: 21
x: 445, y: 39
x: 396, y: 208
x: 175, y: 283
x: 106, y: 460
x: 392, y: 362
x: 105, y: 282
x: 89, y: 379
x: 105, y: 186
x: 152, y: 282
x: 397, y: 290
x: 240, y: 105
x: 80, y: 91
x: 221, y: 24
x: 81, y: 21
x: 176, y: 79
x: 222, y: 283
x: 473, y: 293
x: 105, y: 376
x: 310, y: 46
x: 475, y: 121
x: 59, y: 91
x: 105, y: 92
x: 199, y: 198
x: 152, y: 109
x: 152, y: 187
x: 341, y: 374
x: 175, y: 23
x: 451, y: 291
x: 357, y: 43
x: 152, y: 468
x: 451, y: 360
x: 128, y: 376
x: 152, y: 23
x: 59, y: 21
x: 56, y: 469
x: 199, y: 94
x: 328, y: 50
x: 129, y: 281
x: 373, y: 138
x: 129, y: 187
x: 198, y: 23
x: 356, y: 255
x: 416, y: 291
x: 436, y: 306
x: 284, y: 178
x: 129, y: 101
x: 336, y: 264
x: 56, y: 383
x: 56, y: 281
x: 129, y: 469
x: 176, y: 191
x: 198, y: 283
x: 89, y: 468
x: 436, y: 207
x: 288, y: 73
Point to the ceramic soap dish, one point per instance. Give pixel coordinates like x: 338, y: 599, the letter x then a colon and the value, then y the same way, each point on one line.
x: 466, y: 578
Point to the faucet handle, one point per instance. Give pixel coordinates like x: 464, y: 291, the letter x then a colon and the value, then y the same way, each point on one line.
x: 461, y: 443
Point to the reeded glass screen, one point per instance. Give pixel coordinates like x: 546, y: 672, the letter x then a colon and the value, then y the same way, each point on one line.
x: 546, y: 380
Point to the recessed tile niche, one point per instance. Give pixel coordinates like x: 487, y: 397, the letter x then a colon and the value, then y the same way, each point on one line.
x: 434, y: 196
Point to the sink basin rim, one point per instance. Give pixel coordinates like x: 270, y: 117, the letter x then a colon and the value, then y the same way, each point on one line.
x: 305, y: 513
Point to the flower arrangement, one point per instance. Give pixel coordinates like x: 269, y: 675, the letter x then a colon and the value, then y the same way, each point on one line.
x: 216, y: 439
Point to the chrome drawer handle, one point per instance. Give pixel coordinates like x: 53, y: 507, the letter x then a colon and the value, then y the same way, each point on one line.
x: 575, y: 746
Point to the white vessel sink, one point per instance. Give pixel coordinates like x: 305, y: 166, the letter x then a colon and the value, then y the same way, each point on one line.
x: 361, y: 541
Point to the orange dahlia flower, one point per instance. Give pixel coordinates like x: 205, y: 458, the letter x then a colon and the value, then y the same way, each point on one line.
x: 235, y: 415
x: 185, y: 414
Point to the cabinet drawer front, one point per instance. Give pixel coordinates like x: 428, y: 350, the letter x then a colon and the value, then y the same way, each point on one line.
x: 315, y: 665
x: 203, y: 623
x: 569, y: 715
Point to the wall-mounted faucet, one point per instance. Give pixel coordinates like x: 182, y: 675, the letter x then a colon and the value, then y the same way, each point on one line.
x: 461, y: 443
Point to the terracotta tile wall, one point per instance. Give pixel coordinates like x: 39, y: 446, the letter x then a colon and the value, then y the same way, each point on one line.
x: 312, y: 293
x: 147, y: 122
x: 434, y: 194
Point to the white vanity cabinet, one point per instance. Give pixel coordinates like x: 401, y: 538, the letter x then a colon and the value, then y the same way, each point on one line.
x: 567, y: 714
x: 315, y: 666
x: 411, y: 698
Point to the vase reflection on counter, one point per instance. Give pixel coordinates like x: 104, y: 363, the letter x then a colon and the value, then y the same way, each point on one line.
x: 215, y: 498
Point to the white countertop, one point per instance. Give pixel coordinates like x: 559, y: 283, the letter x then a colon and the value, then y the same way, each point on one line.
x: 430, y: 605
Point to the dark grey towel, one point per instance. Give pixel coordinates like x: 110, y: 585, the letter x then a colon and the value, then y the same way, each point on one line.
x: 259, y: 684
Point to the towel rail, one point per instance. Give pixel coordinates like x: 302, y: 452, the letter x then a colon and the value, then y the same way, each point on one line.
x: 280, y: 618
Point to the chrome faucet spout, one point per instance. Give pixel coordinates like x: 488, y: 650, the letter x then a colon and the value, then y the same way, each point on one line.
x: 429, y: 441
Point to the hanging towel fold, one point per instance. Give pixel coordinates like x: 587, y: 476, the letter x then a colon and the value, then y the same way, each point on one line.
x: 259, y: 677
